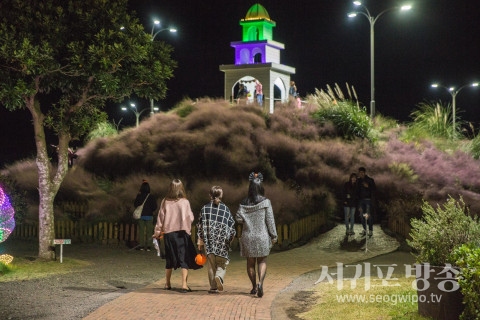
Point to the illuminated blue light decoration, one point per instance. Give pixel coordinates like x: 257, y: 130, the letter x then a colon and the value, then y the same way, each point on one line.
x: 7, y: 221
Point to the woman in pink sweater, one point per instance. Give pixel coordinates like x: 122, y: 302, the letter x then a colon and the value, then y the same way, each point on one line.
x: 174, y: 221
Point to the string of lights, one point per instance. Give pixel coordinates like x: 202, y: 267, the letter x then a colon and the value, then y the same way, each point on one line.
x: 7, y: 220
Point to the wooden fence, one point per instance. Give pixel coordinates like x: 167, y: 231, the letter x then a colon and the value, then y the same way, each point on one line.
x: 110, y: 232
x: 400, y: 225
x: 74, y: 210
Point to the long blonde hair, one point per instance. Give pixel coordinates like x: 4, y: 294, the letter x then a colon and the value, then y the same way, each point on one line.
x: 216, y: 194
x: 176, y: 190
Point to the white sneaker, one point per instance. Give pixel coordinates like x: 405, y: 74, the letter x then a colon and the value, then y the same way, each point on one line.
x: 370, y: 233
x: 363, y: 232
x: 219, y: 282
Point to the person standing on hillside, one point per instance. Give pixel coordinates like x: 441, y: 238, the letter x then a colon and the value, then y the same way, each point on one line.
x: 350, y: 203
x: 292, y: 91
x: 242, y: 93
x: 259, y: 233
x: 259, y: 92
x: 366, y: 195
x: 145, y: 223
x: 215, y: 231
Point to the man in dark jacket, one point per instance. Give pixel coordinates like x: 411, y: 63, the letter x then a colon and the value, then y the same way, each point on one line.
x: 366, y: 195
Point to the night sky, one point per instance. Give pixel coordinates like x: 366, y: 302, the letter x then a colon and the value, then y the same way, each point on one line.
x: 436, y: 41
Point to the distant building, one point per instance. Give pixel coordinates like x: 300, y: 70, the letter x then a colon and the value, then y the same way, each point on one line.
x: 257, y: 56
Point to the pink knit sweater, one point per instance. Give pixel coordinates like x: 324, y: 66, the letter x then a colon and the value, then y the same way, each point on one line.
x: 174, y: 215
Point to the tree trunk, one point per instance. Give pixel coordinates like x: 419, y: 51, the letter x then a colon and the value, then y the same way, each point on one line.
x: 47, y: 185
x: 46, y: 222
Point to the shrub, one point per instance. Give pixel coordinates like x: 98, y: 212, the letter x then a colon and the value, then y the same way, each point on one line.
x: 402, y: 205
x: 434, y: 119
x: 296, y: 123
x: 467, y: 257
x: 349, y: 118
x: 438, y: 172
x: 441, y: 230
x: 384, y: 124
x: 103, y: 129
x: 184, y: 108
x: 474, y: 147
x: 403, y: 170
x: 4, y: 269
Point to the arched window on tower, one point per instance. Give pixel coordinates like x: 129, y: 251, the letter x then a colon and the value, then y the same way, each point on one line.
x: 257, y: 55
x: 253, y: 34
x: 244, y: 56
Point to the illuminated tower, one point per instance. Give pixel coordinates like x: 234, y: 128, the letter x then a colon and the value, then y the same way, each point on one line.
x: 257, y: 56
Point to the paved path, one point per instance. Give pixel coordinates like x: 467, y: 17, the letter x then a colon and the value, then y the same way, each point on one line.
x: 152, y: 302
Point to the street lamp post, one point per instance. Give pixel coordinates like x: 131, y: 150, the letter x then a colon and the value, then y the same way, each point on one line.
x: 133, y: 108
x: 453, y: 92
x: 372, y: 20
x: 153, y: 34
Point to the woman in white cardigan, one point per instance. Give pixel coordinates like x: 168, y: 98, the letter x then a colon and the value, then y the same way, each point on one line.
x: 258, y: 233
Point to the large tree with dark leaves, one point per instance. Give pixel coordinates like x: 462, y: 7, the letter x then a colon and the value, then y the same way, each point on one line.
x: 62, y: 60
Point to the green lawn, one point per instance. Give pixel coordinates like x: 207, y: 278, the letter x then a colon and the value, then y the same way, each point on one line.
x: 25, y: 269
x: 395, y: 301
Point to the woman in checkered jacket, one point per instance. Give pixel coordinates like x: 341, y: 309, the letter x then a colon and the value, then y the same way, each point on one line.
x: 215, y: 233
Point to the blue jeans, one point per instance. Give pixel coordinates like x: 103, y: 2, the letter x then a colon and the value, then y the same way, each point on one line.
x: 260, y: 99
x: 349, y: 217
x: 365, y: 207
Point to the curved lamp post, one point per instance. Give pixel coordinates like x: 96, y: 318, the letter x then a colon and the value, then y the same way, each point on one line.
x: 133, y: 108
x: 453, y: 92
x: 153, y: 34
x: 156, y: 23
x: 372, y: 20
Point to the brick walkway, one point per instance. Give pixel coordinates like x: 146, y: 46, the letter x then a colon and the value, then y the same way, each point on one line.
x: 152, y: 302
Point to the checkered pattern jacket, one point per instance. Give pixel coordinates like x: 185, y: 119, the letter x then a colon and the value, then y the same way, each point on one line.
x: 216, y: 229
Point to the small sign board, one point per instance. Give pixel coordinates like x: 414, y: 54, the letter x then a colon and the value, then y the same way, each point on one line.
x: 62, y: 241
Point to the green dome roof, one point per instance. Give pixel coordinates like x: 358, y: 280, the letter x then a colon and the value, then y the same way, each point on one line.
x: 257, y: 12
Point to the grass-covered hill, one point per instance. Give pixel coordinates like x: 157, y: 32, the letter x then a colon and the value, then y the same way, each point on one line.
x: 305, y: 155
